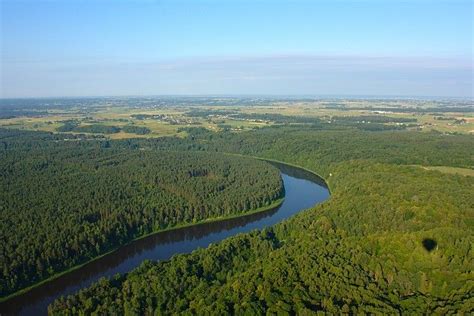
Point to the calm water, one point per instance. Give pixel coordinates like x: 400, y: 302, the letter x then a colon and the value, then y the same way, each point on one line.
x: 303, y: 190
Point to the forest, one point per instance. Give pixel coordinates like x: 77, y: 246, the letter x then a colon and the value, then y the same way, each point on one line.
x: 393, y: 238
x: 74, y: 126
x: 65, y: 203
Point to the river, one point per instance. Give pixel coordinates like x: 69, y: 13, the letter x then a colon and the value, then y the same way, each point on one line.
x: 302, y: 190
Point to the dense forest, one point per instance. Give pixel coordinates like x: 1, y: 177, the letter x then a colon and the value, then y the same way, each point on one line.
x: 393, y: 238
x: 74, y: 126
x: 67, y: 201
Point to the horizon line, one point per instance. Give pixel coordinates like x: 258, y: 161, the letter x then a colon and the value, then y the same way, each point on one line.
x: 276, y: 96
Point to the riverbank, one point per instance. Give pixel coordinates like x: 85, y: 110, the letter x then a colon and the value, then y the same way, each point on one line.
x: 321, y: 178
x: 302, y: 191
x: 271, y: 206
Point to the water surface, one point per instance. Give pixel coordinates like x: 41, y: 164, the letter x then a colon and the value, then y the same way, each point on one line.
x: 302, y: 191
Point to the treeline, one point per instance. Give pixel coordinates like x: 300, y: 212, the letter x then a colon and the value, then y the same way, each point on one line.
x: 318, y: 149
x: 146, y: 116
x: 442, y: 108
x: 16, y: 139
x: 364, y: 122
x: 273, y: 117
x: 133, y: 129
x: 6, y: 113
x: 97, y: 129
x: 392, y: 239
x: 67, y: 202
x: 373, y: 119
x: 74, y: 126
x: 205, y: 113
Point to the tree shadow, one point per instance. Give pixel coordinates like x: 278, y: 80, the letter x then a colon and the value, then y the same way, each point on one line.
x: 429, y: 244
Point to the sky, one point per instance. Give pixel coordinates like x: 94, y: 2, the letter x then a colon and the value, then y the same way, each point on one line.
x: 210, y: 47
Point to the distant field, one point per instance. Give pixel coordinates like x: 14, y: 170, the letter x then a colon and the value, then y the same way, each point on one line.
x: 165, y: 120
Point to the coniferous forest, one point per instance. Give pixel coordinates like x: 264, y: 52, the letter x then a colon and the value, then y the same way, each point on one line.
x: 63, y: 206
x: 393, y: 238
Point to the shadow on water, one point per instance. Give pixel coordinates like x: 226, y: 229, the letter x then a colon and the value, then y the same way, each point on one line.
x: 299, y: 173
x: 302, y: 190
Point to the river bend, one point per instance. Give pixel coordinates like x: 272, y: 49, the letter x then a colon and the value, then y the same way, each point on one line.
x: 302, y: 191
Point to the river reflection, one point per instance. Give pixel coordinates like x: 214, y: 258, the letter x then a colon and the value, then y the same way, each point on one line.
x: 302, y: 191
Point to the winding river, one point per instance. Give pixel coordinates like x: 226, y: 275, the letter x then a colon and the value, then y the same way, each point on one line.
x: 302, y: 190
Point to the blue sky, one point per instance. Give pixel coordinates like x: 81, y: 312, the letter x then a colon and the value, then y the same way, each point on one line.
x: 147, y: 47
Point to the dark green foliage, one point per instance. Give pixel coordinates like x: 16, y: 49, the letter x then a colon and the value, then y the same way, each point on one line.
x: 225, y: 127
x: 64, y: 204
x: 318, y: 149
x: 68, y: 126
x: 361, y: 252
x: 143, y: 116
x: 8, y: 112
x: 444, y: 118
x: 74, y: 126
x: 14, y: 139
x: 97, y: 128
x: 139, y: 130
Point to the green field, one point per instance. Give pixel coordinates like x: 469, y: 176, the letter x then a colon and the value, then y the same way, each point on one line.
x: 120, y: 115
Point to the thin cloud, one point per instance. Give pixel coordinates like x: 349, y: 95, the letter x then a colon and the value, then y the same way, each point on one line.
x: 277, y: 74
